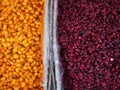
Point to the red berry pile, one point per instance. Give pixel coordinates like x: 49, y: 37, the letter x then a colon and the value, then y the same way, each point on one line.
x: 89, y: 40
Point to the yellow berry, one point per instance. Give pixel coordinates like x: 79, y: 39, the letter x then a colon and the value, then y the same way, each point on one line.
x: 21, y: 25
x: 17, y: 70
x: 16, y: 88
x: 23, y: 84
x: 30, y: 60
x: 15, y: 56
x: 18, y: 65
x: 4, y: 27
x: 29, y: 8
x: 13, y: 81
x: 24, y: 67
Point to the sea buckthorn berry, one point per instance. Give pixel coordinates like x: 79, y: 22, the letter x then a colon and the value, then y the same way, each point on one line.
x: 17, y: 69
x: 30, y: 60
x: 23, y: 84
x: 21, y: 44
x: 16, y: 88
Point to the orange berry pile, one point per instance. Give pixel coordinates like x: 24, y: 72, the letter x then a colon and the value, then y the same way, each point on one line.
x: 21, y: 48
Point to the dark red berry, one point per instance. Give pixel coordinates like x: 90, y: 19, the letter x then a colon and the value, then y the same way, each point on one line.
x: 89, y: 40
x: 118, y: 11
